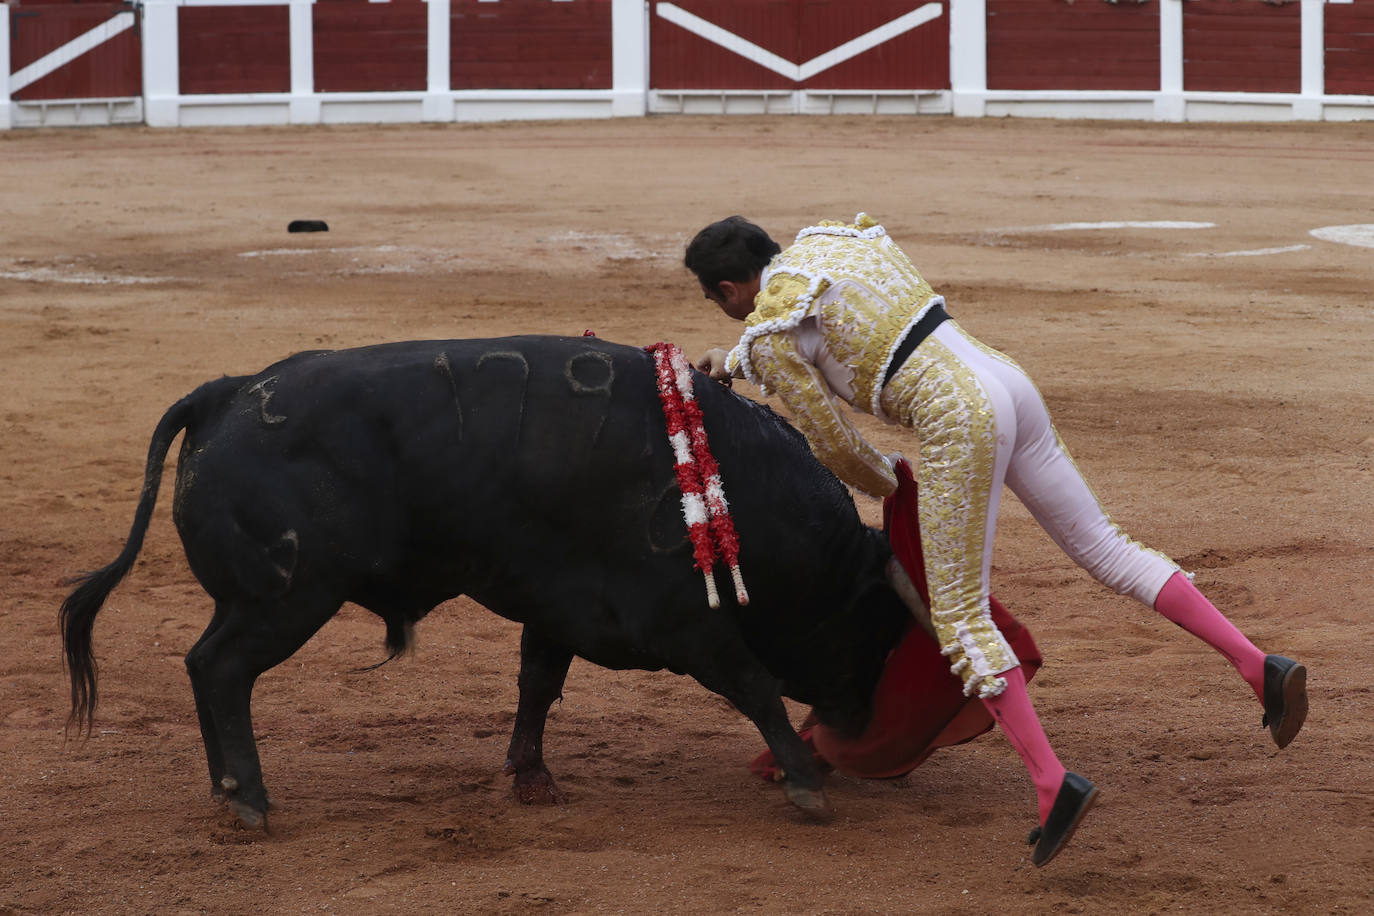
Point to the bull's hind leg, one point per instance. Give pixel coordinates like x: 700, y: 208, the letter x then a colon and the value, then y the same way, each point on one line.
x: 214, y: 754
x: 244, y: 639
x: 543, y: 668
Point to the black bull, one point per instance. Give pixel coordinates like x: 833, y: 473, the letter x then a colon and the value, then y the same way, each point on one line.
x: 533, y: 474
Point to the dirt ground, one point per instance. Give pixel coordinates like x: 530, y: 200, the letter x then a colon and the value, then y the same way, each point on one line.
x: 1213, y: 382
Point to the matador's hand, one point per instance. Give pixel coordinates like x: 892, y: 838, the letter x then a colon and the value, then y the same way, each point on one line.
x: 713, y: 364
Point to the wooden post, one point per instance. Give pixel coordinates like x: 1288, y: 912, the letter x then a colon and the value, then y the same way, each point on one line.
x: 1169, y: 104
x: 438, y: 105
x: 1309, y: 106
x: 305, y: 104
x: 629, y: 58
x: 968, y: 57
x: 161, y: 64
x: 5, y: 119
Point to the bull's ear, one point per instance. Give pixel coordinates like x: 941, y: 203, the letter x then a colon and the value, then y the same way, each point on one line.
x: 906, y: 590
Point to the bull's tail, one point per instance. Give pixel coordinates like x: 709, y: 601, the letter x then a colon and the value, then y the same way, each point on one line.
x: 77, y: 616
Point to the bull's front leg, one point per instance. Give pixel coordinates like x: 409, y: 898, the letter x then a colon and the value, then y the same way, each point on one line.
x: 740, y: 678
x: 543, y: 668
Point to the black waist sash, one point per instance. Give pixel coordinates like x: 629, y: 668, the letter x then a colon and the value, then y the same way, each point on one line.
x: 919, y: 332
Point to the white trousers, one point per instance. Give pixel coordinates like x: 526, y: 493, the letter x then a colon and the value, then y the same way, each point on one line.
x: 982, y: 423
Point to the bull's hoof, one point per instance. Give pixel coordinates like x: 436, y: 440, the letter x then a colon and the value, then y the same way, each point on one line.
x: 812, y: 803
x: 251, y: 818
x: 537, y: 788
x: 218, y: 796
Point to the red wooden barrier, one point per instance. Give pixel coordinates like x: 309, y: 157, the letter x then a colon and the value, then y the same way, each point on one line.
x: 362, y: 47
x: 1054, y: 44
x: 110, y: 70
x: 1242, y: 46
x: 678, y: 59
x: 1350, y: 48
x: 797, y: 33
x: 234, y: 49
x: 777, y: 46
x: 918, y: 59
x: 530, y: 44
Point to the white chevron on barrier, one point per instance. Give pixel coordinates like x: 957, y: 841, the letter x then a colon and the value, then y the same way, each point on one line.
x: 70, y: 51
x: 747, y: 49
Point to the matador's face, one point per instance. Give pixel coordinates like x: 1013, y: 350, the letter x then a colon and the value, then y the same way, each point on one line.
x: 735, y: 299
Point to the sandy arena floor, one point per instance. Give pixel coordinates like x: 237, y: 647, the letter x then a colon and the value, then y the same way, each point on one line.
x: 1210, y: 372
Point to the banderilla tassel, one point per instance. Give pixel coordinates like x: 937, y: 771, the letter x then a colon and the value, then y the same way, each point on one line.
x: 712, y: 598
x: 741, y: 595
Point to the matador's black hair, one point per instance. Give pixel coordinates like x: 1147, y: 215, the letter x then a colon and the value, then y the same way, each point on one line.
x: 731, y: 249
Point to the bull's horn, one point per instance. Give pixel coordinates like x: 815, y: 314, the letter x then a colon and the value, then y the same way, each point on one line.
x: 906, y: 590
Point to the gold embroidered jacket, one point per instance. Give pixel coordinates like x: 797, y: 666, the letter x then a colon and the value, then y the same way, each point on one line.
x: 830, y: 311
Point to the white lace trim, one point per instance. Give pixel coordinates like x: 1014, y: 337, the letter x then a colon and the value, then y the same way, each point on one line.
x: 873, y: 232
x: 980, y: 678
x: 992, y: 688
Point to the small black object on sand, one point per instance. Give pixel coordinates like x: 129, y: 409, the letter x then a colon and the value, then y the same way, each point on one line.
x: 307, y: 225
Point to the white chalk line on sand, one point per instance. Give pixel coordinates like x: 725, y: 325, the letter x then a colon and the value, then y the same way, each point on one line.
x: 287, y: 252
x: 614, y: 245
x: 396, y: 259
x: 1252, y: 253
x: 1360, y: 234
x: 620, y: 246
x: 1109, y: 224
x: 58, y: 275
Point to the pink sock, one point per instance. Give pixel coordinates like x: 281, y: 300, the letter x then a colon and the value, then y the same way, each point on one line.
x: 1016, y: 717
x: 1183, y: 604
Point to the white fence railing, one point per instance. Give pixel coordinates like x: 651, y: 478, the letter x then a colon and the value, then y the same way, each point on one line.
x: 164, y: 105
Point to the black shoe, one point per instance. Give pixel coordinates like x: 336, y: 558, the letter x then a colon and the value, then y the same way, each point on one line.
x: 1285, y: 698
x: 1076, y: 796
